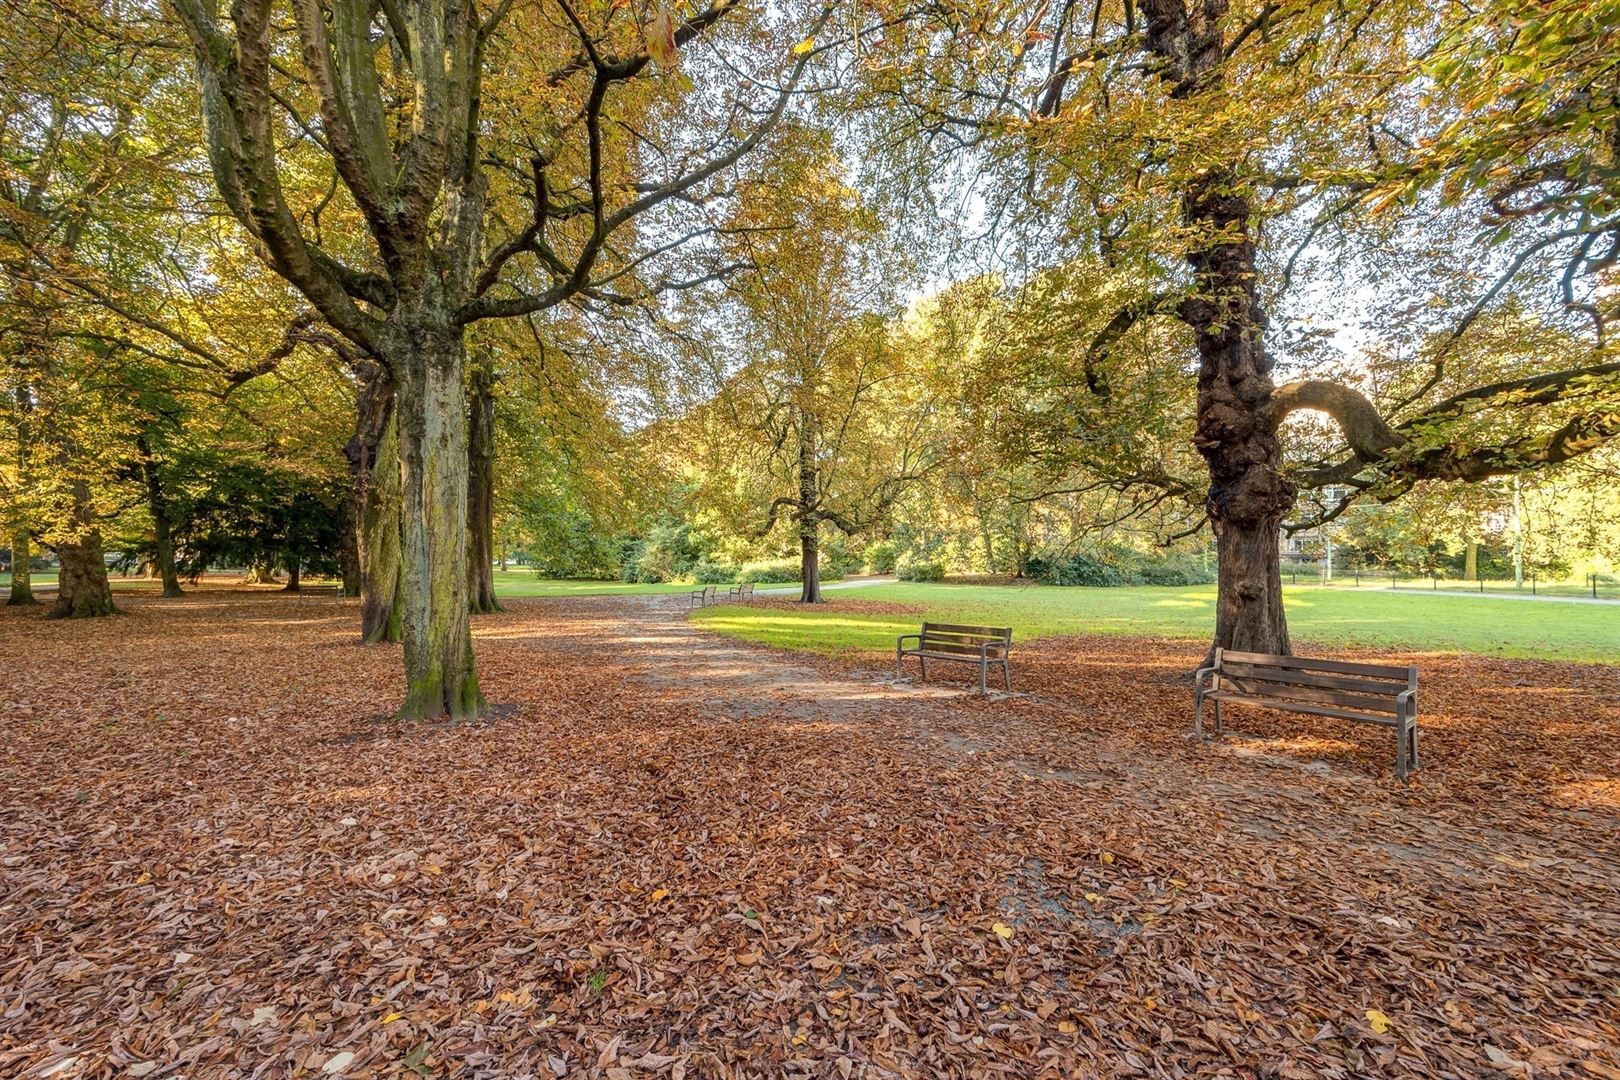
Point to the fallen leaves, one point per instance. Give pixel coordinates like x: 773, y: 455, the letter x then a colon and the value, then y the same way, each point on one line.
x: 681, y: 861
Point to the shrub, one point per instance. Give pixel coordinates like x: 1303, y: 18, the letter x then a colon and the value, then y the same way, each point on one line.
x: 1115, y: 566
x: 779, y: 572
x: 774, y: 572
x: 710, y: 573
x: 882, y: 556
x: 920, y: 570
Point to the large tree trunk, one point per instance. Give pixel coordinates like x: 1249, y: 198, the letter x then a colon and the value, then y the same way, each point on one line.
x: 348, y: 551
x: 1235, y: 431
x: 481, y: 492
x: 1248, y: 494
x: 162, y: 528
x: 82, y: 589
x: 295, y: 575
x: 380, y: 611
x: 430, y: 357
x: 810, y: 563
x: 22, y: 569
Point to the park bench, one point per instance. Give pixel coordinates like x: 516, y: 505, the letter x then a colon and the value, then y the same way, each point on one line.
x: 982, y: 645
x: 1369, y: 693
x: 745, y: 591
x: 702, y: 597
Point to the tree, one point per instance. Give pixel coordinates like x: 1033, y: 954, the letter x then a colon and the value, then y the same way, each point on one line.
x: 824, y: 420
x: 1210, y: 134
x: 414, y: 103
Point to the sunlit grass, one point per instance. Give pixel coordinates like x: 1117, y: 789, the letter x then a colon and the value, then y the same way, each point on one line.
x: 1321, y: 619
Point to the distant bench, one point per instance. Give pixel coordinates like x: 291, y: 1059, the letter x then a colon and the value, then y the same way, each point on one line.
x: 1370, y: 693
x: 745, y: 591
x: 710, y: 594
x: 982, y: 645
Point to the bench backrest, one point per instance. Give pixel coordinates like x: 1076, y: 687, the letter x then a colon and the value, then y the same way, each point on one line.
x: 1370, y: 688
x: 746, y: 589
x: 950, y: 638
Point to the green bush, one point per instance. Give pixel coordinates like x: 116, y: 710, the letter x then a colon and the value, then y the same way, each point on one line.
x: 882, y: 556
x: 920, y: 570
x: 1115, y: 566
x: 710, y: 573
x: 779, y: 572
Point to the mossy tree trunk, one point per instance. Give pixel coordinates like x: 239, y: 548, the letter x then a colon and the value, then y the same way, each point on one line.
x: 157, y: 504
x: 429, y: 361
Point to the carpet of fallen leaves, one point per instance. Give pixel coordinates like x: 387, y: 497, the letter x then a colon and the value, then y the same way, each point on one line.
x: 676, y: 856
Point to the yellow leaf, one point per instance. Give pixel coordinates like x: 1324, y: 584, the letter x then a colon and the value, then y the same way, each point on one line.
x: 391, y: 1017
x: 1149, y: 1003
x: 1002, y: 930
x: 804, y: 46
x: 143, y: 879
x: 1380, y: 1023
x: 433, y: 869
x: 660, y: 34
x: 1177, y: 883
x: 1068, y: 1027
x: 1093, y: 898
x: 658, y: 894
x: 1108, y: 856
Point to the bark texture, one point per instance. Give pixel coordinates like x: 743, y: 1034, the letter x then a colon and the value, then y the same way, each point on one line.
x: 82, y: 590
x: 432, y: 424
x: 374, y: 584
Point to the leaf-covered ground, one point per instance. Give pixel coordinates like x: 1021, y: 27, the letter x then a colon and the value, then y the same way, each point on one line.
x: 680, y: 856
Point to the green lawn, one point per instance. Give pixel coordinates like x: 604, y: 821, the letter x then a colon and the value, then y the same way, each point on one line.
x: 1316, y: 617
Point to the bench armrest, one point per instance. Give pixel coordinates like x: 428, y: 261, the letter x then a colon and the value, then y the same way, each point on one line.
x: 901, y: 640
x: 1405, y: 696
x: 1198, y: 677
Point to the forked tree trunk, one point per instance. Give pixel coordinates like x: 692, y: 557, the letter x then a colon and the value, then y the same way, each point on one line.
x: 441, y: 679
x: 82, y: 589
x: 260, y: 573
x: 295, y: 575
x: 22, y: 569
x: 481, y: 492
x: 373, y: 412
x: 157, y: 504
x: 380, y: 611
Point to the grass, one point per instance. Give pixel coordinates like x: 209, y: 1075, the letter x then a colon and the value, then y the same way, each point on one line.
x: 1320, y: 618
x: 518, y: 583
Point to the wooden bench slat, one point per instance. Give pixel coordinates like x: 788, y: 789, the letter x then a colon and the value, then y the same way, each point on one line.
x: 951, y: 653
x: 1286, y: 694
x: 952, y: 628
x: 1342, y: 667
x: 1306, y: 678
x: 1303, y: 707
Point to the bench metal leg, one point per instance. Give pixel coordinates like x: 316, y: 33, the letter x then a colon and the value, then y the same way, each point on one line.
x: 898, y: 653
x: 983, y: 667
x: 922, y: 662
x: 1006, y: 675
x: 1218, y: 729
x: 1198, y: 715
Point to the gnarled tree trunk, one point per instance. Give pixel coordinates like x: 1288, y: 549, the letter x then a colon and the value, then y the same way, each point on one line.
x: 481, y: 491
x: 1235, y: 427
x: 431, y: 410
x: 82, y: 589
x: 22, y: 569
